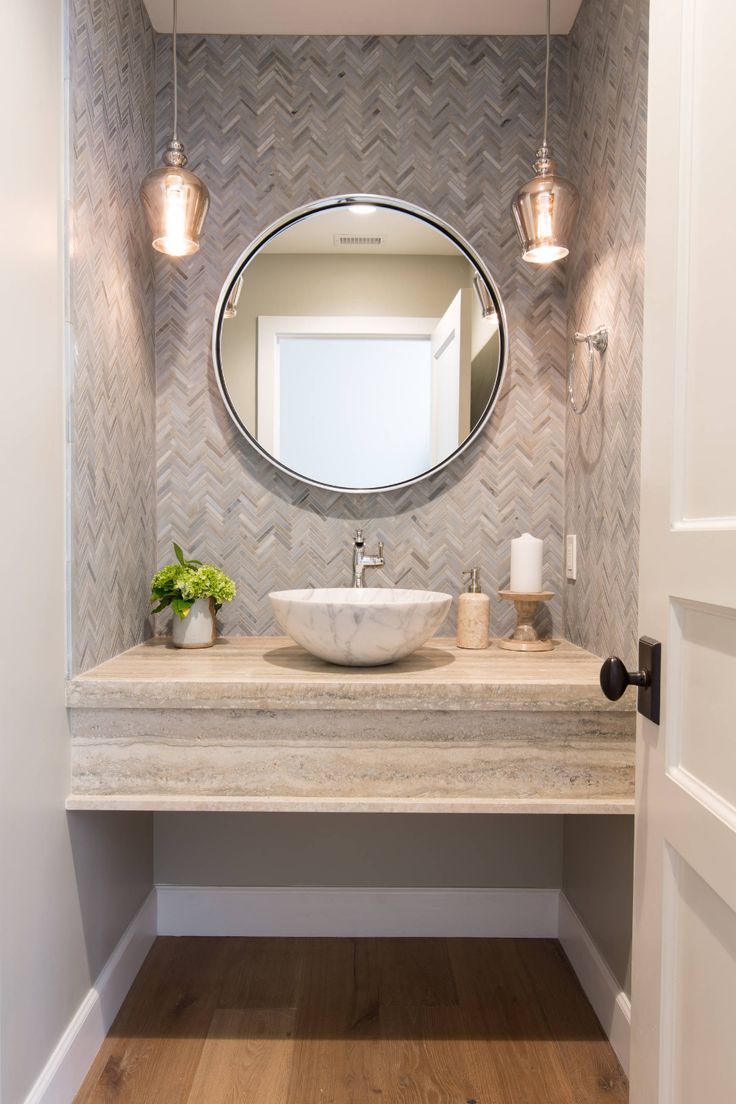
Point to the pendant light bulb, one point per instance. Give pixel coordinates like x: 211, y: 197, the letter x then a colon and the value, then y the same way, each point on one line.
x: 174, y: 199
x: 545, y: 208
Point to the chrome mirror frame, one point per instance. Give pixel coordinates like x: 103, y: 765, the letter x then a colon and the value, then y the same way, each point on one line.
x: 328, y: 204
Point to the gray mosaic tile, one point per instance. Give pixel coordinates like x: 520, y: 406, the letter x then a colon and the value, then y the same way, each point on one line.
x: 111, y: 296
x: 607, y: 144
x: 272, y: 123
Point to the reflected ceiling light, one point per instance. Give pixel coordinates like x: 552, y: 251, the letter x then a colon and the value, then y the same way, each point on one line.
x: 363, y: 208
x: 546, y: 206
x: 174, y: 199
x: 231, y: 307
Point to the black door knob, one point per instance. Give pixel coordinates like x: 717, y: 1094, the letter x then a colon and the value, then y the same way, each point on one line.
x: 615, y: 678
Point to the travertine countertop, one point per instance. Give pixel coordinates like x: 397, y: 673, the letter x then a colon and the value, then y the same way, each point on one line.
x: 271, y: 673
x: 258, y: 724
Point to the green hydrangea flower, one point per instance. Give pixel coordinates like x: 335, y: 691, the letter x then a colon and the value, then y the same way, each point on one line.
x: 167, y: 578
x: 206, y: 582
x: 180, y: 584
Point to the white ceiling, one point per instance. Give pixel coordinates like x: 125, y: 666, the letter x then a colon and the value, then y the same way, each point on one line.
x: 399, y: 233
x: 379, y: 17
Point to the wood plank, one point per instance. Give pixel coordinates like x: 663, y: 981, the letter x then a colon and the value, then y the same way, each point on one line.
x: 416, y: 972
x: 590, y: 1065
x: 154, y: 1045
x: 262, y: 973
x: 246, y: 1057
x: 337, y: 1054
x: 518, y: 1045
x: 411, y: 1021
x: 426, y: 1056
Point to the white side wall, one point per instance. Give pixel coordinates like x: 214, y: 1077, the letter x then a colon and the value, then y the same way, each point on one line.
x: 69, y: 884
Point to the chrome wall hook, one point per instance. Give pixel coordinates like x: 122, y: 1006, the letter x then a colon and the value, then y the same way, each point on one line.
x: 597, y: 342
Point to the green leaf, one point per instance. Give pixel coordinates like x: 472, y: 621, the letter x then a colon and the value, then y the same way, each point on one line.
x: 181, y: 606
x: 163, y: 604
x: 180, y: 557
x: 162, y: 594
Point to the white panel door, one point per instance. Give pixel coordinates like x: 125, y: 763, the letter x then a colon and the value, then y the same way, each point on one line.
x: 451, y: 377
x: 684, y: 965
x: 272, y: 329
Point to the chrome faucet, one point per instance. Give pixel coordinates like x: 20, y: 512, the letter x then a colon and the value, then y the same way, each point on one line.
x: 361, y: 561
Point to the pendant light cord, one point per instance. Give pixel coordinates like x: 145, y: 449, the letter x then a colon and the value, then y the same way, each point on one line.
x: 546, y: 74
x: 176, y: 90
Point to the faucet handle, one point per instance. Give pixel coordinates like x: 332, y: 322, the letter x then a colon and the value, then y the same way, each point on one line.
x: 380, y: 550
x: 358, y: 538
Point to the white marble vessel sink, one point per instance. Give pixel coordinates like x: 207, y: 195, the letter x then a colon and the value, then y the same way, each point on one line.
x: 365, y: 627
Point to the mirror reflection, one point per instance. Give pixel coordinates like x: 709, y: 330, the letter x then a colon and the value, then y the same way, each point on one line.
x: 360, y: 347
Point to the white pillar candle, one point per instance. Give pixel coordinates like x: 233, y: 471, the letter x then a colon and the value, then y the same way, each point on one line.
x: 526, y: 564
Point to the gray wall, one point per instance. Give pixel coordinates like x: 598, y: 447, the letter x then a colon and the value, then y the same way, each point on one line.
x: 598, y: 880
x: 111, y: 344
x: 272, y: 123
x: 315, y: 849
x: 607, y: 160
x: 69, y: 884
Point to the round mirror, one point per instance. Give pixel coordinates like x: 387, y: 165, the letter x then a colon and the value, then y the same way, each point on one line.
x: 360, y: 343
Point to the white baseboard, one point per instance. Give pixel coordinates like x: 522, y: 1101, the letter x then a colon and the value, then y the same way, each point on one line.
x: 74, y: 1053
x: 226, y: 911
x: 609, y: 1002
x: 211, y: 910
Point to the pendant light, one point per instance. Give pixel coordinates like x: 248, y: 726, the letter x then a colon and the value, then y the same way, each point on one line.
x: 546, y: 206
x: 174, y: 199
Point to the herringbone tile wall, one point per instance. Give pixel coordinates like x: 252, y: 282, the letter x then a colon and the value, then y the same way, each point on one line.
x: 271, y: 123
x: 607, y: 160
x: 111, y: 297
x: 450, y: 123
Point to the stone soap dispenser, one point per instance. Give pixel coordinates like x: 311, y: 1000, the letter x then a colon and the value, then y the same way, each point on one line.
x: 473, y: 614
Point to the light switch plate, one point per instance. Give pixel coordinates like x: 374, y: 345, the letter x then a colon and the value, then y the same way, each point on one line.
x: 571, y: 557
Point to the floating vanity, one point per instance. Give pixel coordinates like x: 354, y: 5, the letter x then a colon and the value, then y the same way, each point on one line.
x: 257, y: 724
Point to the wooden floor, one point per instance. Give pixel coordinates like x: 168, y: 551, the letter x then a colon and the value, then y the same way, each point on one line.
x: 348, y: 1021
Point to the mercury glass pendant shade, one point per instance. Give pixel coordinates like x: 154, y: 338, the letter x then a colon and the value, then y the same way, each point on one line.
x: 545, y: 209
x: 175, y: 202
x: 174, y: 199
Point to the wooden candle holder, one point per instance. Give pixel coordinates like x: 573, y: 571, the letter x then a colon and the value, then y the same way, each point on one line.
x: 524, y: 638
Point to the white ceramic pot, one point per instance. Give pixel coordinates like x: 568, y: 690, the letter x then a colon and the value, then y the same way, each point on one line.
x: 197, y: 629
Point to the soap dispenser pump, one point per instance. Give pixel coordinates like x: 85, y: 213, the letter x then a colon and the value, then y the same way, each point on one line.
x: 473, y: 614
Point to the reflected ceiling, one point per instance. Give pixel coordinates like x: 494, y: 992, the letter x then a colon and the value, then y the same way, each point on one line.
x: 380, y: 17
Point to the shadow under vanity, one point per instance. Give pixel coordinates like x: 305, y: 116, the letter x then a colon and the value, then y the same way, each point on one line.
x: 360, y: 345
